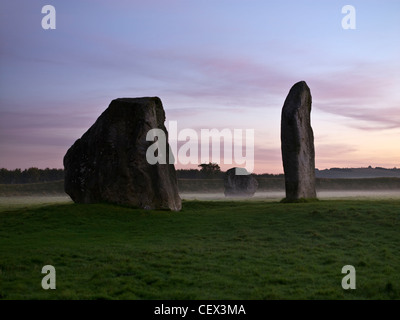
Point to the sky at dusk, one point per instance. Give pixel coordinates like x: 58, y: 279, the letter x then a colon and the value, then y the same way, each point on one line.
x: 214, y: 64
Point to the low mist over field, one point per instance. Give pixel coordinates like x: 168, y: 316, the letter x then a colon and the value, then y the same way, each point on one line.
x: 14, y: 202
x: 322, y: 195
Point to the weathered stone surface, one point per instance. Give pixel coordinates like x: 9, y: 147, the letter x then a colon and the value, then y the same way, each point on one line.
x: 244, y: 185
x: 297, y: 141
x: 108, y: 163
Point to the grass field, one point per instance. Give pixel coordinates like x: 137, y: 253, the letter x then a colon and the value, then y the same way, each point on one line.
x: 210, y: 250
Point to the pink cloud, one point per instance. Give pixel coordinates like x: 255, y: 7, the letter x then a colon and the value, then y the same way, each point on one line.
x: 366, y: 119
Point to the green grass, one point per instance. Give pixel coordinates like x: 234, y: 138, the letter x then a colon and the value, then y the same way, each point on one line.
x: 209, y: 250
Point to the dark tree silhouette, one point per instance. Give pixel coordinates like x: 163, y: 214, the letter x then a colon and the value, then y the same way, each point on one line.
x: 31, y: 175
x: 210, y: 169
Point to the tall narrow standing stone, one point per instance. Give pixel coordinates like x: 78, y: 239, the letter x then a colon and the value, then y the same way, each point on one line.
x: 297, y: 140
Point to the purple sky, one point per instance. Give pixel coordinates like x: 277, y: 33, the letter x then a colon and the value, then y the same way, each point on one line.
x: 214, y: 64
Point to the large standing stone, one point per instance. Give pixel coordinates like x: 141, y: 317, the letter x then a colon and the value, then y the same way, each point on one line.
x: 297, y: 140
x: 243, y: 185
x: 108, y: 164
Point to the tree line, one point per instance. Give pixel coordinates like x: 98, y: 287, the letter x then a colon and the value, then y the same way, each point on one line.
x: 35, y: 175
x: 31, y: 175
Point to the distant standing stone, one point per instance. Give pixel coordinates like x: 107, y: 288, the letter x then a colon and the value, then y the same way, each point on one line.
x: 244, y: 185
x: 108, y: 164
x: 297, y: 141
